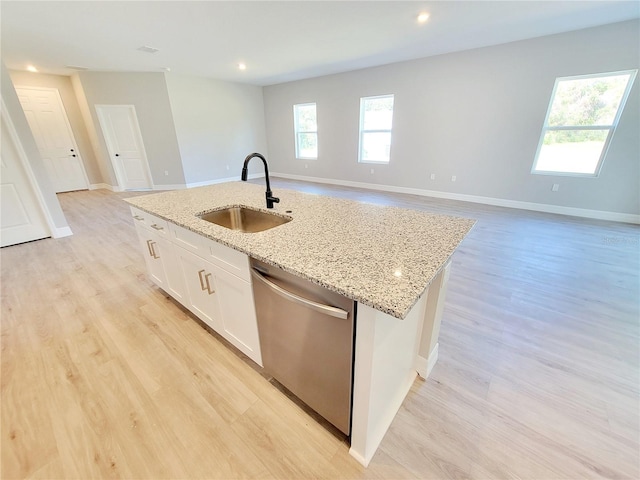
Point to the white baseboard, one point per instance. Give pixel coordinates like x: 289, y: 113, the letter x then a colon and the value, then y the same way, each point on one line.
x: 100, y: 186
x: 498, y: 202
x: 223, y: 180
x: 60, y: 232
x: 105, y: 186
x: 116, y: 188
x: 175, y: 186
x: 425, y: 365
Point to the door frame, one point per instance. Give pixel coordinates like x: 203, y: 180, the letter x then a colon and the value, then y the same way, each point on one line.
x: 87, y: 185
x: 31, y: 177
x: 100, y: 108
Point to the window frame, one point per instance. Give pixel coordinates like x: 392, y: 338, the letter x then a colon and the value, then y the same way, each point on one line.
x: 297, y: 132
x: 361, y: 130
x: 609, y: 128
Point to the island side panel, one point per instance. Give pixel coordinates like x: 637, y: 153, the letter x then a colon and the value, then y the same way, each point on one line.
x: 428, y: 351
x: 386, y: 349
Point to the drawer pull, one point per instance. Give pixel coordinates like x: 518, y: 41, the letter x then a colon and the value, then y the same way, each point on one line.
x: 206, y: 279
x: 138, y: 217
x: 157, y: 227
x: 201, y: 280
x: 153, y: 250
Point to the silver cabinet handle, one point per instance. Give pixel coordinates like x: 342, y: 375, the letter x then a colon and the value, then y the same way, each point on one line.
x: 138, y: 217
x: 319, y: 307
x: 201, y: 281
x: 157, y: 227
x: 149, y: 247
x: 204, y: 282
x: 153, y: 250
x: 206, y: 279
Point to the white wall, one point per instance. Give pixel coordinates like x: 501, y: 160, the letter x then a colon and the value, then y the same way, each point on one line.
x: 28, y: 143
x: 148, y: 93
x: 217, y: 125
x: 68, y: 96
x: 475, y: 114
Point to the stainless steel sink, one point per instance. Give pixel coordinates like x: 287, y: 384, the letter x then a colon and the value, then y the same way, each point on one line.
x: 244, y: 219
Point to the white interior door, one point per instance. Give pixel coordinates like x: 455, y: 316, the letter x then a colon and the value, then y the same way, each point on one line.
x: 121, y: 132
x: 52, y: 132
x: 21, y: 217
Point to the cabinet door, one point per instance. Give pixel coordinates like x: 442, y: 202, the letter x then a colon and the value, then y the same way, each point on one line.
x: 174, y: 280
x: 151, y: 249
x: 237, y: 314
x: 200, y: 287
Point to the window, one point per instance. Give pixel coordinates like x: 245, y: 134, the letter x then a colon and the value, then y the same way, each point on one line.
x: 581, y: 119
x: 376, y: 115
x: 306, y: 131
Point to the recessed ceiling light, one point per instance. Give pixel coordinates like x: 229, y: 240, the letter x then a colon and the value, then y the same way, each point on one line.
x: 31, y: 68
x: 423, y: 17
x: 242, y: 66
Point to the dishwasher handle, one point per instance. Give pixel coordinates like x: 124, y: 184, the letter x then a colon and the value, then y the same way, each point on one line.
x: 319, y: 307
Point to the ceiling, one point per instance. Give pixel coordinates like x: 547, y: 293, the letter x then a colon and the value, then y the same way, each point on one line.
x: 278, y: 40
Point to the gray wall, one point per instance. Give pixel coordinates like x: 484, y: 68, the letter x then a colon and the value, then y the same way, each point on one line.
x: 217, y: 124
x: 148, y: 93
x: 14, y: 109
x: 68, y: 96
x: 475, y: 114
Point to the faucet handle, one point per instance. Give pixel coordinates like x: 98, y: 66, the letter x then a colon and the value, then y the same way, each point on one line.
x: 270, y: 199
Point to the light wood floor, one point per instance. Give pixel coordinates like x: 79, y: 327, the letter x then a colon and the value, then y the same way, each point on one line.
x: 538, y: 376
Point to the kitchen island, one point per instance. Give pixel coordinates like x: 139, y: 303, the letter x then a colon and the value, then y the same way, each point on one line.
x: 393, y: 262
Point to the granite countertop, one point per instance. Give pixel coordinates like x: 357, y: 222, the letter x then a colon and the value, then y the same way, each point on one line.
x: 384, y: 257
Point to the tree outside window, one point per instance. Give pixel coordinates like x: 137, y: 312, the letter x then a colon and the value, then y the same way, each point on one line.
x: 581, y: 119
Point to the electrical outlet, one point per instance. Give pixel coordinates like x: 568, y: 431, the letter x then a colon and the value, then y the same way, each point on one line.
x: 555, y: 187
x: 227, y: 168
x: 433, y: 176
x: 306, y: 165
x: 166, y: 173
x: 453, y: 178
x: 372, y: 171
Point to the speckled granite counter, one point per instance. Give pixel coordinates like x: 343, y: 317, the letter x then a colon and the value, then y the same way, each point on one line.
x: 383, y: 257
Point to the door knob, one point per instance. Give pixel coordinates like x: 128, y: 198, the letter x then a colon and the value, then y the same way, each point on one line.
x: 72, y: 150
x: 117, y: 154
x: 73, y: 155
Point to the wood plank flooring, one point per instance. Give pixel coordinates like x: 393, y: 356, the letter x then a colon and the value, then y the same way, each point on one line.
x: 538, y: 377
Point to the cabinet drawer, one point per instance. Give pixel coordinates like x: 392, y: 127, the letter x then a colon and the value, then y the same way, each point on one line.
x: 231, y: 260
x: 186, y: 239
x: 225, y: 257
x: 150, y: 222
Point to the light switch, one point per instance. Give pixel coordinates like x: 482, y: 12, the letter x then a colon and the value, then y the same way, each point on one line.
x: 433, y: 176
x: 556, y: 187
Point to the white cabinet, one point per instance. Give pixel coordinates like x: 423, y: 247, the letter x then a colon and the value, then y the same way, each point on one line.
x: 237, y: 314
x: 210, y: 279
x: 200, y: 286
x: 153, y: 256
x: 159, y: 254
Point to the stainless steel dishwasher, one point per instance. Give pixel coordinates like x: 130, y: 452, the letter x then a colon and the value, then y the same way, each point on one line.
x: 306, y: 339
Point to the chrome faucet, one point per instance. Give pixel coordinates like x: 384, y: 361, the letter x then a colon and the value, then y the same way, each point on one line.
x: 269, y: 195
